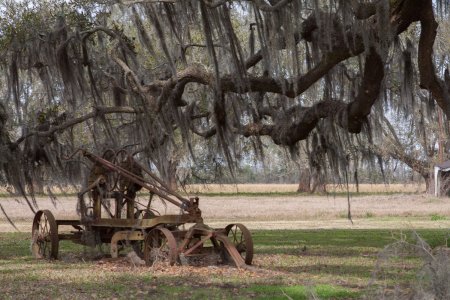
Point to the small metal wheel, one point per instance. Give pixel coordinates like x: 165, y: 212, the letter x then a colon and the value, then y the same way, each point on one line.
x: 160, y: 246
x: 241, y: 237
x: 44, y: 235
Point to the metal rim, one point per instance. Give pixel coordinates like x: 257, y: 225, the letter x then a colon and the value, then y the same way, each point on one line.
x: 160, y: 246
x: 45, y: 241
x: 241, y: 237
x: 124, y: 160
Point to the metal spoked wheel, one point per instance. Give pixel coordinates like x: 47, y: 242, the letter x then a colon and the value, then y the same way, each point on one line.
x: 111, y: 177
x: 241, y: 237
x: 160, y: 246
x: 124, y: 160
x: 44, y: 235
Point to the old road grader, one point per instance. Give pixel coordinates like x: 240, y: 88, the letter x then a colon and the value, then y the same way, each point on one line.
x: 114, y: 181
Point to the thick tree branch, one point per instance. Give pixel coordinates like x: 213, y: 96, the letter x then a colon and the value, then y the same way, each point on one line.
x: 296, y: 123
x: 420, y: 166
x: 292, y: 128
x: 368, y: 92
x: 428, y: 77
x: 96, y: 112
x: 341, y: 49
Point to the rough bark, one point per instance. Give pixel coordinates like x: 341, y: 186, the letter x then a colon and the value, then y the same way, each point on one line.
x: 304, y: 185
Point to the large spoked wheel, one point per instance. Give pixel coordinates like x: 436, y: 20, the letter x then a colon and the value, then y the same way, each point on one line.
x: 124, y: 160
x: 111, y: 177
x: 160, y: 246
x: 241, y: 237
x: 45, y: 235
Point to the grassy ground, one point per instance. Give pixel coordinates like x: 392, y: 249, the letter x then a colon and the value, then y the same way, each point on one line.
x: 297, y: 264
x: 345, y: 263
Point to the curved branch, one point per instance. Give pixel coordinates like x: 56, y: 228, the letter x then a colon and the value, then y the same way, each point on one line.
x: 368, y: 91
x: 132, y: 77
x: 427, y: 70
x: 420, y: 166
x: 96, y: 112
x: 296, y: 126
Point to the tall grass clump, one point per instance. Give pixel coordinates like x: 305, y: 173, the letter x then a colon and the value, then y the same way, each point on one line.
x: 411, y: 269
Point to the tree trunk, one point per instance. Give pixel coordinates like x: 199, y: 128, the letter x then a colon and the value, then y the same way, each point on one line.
x: 318, y: 183
x: 304, y: 185
x: 429, y: 184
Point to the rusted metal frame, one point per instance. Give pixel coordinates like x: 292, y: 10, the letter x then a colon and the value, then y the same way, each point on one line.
x: 189, y: 234
x: 124, y: 235
x: 73, y: 222
x: 147, y: 223
x: 119, y: 205
x: 97, y: 203
x: 92, y: 185
x: 162, y: 183
x: 198, y: 244
x: 214, y: 242
x: 136, y: 179
x: 130, y: 208
x: 186, y: 239
x: 111, y: 215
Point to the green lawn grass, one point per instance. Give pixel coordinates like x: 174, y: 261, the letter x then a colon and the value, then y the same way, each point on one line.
x: 297, y: 264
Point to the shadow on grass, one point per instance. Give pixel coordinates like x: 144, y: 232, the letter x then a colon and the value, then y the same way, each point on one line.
x: 330, y: 253
x: 147, y: 287
x: 330, y: 269
x: 341, y: 241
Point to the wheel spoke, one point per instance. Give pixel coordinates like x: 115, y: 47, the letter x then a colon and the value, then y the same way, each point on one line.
x: 234, y: 232
x: 160, y: 247
x: 44, y: 235
x: 242, y: 240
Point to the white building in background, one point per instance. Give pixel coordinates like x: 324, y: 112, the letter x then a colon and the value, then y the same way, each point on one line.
x: 442, y: 167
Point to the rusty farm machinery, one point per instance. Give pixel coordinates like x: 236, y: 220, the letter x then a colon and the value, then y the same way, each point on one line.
x: 114, y: 181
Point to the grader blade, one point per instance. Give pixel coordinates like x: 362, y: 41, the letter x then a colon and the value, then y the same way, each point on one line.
x: 232, y: 251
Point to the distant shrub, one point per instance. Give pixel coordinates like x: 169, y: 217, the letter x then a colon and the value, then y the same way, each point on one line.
x: 369, y: 214
x: 436, y: 217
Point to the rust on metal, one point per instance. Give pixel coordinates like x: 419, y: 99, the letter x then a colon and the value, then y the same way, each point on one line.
x: 125, y: 235
x: 156, y: 238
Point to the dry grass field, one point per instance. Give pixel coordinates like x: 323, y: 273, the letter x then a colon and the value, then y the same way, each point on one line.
x: 280, y: 211
x: 292, y: 188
